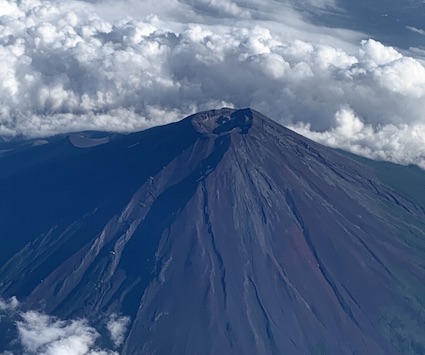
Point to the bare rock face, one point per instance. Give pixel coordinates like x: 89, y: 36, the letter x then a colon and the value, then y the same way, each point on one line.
x: 225, y: 233
x: 224, y: 121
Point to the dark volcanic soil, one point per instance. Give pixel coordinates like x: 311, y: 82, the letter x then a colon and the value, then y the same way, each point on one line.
x: 225, y: 233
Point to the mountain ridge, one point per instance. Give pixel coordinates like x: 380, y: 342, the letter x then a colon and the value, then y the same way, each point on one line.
x: 267, y: 241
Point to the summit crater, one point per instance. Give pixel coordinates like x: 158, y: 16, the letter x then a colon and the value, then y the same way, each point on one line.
x: 223, y: 121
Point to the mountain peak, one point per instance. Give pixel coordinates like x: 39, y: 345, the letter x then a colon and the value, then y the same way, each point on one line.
x: 225, y: 233
x: 223, y: 121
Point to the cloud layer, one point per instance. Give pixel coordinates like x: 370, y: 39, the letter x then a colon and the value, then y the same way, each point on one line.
x: 69, y: 66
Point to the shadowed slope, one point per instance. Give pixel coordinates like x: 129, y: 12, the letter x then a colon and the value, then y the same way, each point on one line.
x: 224, y: 234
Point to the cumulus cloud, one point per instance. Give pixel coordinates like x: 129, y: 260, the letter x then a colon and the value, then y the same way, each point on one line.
x: 8, y: 305
x: 117, y: 327
x: 41, y: 334
x: 402, y: 143
x: 44, y: 335
x: 99, y: 65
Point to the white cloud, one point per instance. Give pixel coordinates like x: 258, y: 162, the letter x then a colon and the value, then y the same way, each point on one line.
x: 117, y: 327
x: 8, y: 305
x: 375, y: 53
x: 126, y: 65
x: 416, y: 30
x: 402, y: 144
x: 217, y: 7
x: 44, y: 335
x: 405, y: 76
x: 41, y: 334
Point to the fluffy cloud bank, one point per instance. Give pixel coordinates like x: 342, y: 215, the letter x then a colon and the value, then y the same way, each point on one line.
x: 69, y: 66
x: 402, y: 144
x: 41, y: 334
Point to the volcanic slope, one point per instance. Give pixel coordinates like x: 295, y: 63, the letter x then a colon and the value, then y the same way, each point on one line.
x: 224, y: 233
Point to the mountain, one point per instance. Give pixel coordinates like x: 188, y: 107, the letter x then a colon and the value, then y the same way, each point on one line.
x: 224, y: 233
